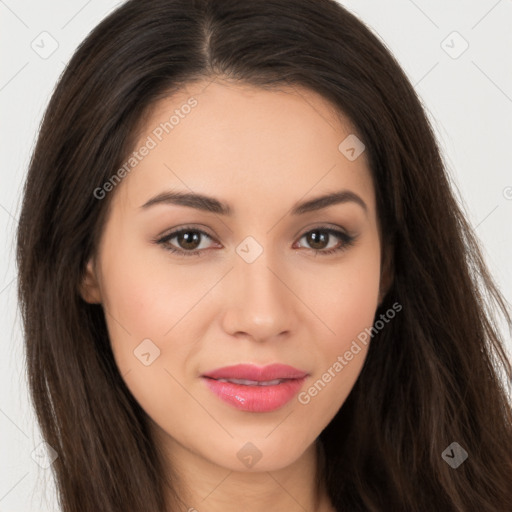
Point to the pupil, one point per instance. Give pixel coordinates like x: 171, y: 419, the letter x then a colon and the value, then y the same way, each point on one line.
x: 316, y: 237
x: 187, y: 237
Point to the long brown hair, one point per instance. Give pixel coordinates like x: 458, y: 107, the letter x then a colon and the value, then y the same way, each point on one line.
x: 432, y: 377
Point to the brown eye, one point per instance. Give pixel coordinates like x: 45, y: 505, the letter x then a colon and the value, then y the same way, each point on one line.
x: 187, y: 241
x: 318, y: 240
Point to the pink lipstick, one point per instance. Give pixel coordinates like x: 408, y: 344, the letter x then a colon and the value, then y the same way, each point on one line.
x: 255, y: 389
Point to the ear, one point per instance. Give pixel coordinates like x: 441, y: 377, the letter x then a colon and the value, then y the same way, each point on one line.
x: 387, y: 272
x: 89, y: 287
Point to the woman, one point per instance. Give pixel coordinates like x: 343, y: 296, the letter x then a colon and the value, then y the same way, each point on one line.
x: 245, y: 279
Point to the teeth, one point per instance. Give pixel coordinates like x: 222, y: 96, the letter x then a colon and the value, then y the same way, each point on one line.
x: 253, y: 382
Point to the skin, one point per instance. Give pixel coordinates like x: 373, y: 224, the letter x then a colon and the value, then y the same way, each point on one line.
x: 260, y: 152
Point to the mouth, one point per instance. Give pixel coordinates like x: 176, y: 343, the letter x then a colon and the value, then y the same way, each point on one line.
x: 244, y: 382
x: 251, y: 372
x: 255, y: 389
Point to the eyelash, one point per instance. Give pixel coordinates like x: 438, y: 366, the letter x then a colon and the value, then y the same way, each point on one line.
x: 347, y: 241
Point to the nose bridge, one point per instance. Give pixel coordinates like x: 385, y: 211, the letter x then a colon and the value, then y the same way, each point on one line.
x: 260, y: 303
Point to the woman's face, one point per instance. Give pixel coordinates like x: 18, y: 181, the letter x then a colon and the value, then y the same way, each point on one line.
x: 256, y: 293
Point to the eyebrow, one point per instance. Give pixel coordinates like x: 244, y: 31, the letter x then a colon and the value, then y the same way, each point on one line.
x: 213, y: 205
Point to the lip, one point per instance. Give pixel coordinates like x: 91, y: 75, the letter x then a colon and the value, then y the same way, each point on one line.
x: 256, y: 398
x: 258, y: 373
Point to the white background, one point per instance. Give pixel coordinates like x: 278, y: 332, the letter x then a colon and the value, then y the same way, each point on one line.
x: 468, y: 98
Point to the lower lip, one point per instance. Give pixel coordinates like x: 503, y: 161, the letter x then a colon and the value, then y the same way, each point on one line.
x: 255, y: 398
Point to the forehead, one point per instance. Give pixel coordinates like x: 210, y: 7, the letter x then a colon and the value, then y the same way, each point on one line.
x: 246, y: 145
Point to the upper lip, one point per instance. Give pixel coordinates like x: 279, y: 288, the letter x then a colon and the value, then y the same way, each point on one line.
x: 256, y: 373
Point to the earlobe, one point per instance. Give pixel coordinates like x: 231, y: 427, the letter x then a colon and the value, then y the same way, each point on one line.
x: 89, y: 287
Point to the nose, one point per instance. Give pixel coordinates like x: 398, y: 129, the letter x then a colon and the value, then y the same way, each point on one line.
x: 260, y: 302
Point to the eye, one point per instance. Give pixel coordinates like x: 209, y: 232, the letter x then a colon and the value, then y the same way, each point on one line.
x: 321, y: 235
x: 188, y: 241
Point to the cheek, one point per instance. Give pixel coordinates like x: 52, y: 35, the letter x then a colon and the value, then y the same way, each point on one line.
x: 347, y: 303
x: 145, y: 289
x: 345, y: 297
x: 139, y: 299
x: 147, y: 308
